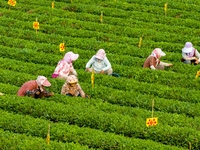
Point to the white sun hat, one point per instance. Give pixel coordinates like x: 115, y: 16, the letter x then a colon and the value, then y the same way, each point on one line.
x: 188, y: 47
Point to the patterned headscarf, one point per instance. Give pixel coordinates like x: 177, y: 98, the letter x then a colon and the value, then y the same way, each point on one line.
x: 70, y: 57
x: 100, y: 54
x: 157, y: 52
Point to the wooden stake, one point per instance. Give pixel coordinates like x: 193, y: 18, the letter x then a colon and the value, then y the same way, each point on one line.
x: 36, y: 21
x: 152, y: 107
x: 48, y: 135
x: 92, y: 78
x: 190, y: 146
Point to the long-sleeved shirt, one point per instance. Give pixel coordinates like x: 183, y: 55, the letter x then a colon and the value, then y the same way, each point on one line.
x: 29, y: 85
x: 151, y: 61
x: 73, y: 90
x: 99, y: 64
x: 187, y: 57
x: 64, y: 68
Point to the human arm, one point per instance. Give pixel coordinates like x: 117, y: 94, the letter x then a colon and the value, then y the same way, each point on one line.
x: 188, y: 58
x: 44, y: 93
x: 165, y: 64
x: 82, y: 93
x: 89, y: 63
x: 197, y: 54
x: 152, y: 61
x: 59, y: 67
x: 152, y: 67
x: 64, y: 89
x: 73, y: 71
x: 107, y: 64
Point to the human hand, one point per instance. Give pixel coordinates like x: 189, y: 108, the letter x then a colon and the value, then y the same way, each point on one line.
x: 196, y: 62
x: 101, y: 72
x: 170, y: 65
x: 51, y: 94
x: 87, y: 69
x: 195, y: 58
x: 37, y: 92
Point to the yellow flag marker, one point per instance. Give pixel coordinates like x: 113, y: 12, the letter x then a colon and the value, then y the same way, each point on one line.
x: 62, y: 47
x: 92, y: 77
x: 165, y: 8
x: 36, y: 25
x: 52, y: 5
x: 101, y: 17
x: 140, y: 42
x: 12, y: 2
x: 198, y: 74
x: 48, y: 135
x: 151, y: 121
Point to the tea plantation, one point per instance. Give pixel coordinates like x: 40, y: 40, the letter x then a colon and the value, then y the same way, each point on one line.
x: 114, y: 118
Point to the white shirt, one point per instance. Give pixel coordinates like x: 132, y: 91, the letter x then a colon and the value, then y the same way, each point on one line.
x: 99, y: 64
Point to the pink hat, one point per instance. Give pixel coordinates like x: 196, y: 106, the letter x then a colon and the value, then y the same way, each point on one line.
x: 188, y: 47
x: 70, y: 56
x: 100, y: 54
x: 42, y: 80
x: 158, y: 51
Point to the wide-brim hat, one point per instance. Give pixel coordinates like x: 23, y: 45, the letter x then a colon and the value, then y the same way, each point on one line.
x: 70, y: 56
x: 74, y: 57
x: 158, y: 51
x: 100, y: 54
x: 42, y: 80
x: 161, y: 53
x: 72, y: 79
x: 46, y: 83
x: 188, y: 47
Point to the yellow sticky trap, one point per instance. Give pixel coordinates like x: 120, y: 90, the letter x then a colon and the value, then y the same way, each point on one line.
x: 62, y: 47
x: 92, y: 77
x: 198, y: 74
x: 36, y: 25
x: 48, y: 135
x: 140, y: 42
x: 151, y: 122
x: 12, y: 2
x: 165, y: 8
x: 101, y: 17
x: 52, y: 5
x: 48, y: 139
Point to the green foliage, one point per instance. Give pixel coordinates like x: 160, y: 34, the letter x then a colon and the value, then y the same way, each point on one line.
x: 64, y: 133
x: 114, y: 117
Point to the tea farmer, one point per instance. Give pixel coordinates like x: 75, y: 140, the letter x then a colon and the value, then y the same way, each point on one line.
x: 72, y: 87
x: 65, y: 66
x: 190, y: 55
x: 153, y: 60
x: 35, y: 88
x: 100, y: 63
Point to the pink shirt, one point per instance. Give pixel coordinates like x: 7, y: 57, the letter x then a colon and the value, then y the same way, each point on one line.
x: 64, y: 68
